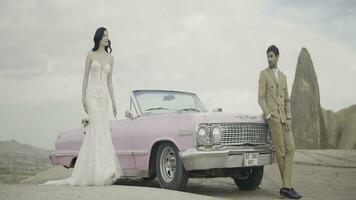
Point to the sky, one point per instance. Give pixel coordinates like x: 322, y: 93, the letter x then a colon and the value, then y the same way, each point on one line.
x: 214, y: 48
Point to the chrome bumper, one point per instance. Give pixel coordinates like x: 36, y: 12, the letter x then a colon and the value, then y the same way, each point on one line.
x: 225, y: 157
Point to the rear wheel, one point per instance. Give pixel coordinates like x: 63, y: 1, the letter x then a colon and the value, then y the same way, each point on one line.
x: 250, y: 178
x: 169, y: 168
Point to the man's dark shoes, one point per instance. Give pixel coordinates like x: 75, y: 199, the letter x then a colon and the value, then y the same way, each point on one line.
x: 289, y: 193
x: 296, y: 193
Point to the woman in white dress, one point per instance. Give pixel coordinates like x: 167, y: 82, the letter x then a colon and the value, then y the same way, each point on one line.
x: 97, y: 162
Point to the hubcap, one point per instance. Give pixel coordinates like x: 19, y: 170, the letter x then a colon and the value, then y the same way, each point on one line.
x: 168, y: 164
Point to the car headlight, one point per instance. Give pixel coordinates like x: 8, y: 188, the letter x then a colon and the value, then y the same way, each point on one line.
x: 216, y: 131
x: 203, y: 135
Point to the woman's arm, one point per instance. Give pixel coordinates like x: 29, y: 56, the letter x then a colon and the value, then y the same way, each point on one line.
x: 85, y: 80
x: 109, y: 82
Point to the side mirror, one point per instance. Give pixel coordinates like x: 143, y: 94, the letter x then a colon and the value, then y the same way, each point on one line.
x: 128, y: 114
x: 217, y: 110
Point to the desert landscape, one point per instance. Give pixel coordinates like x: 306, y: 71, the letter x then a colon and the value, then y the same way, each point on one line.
x: 325, y: 160
x: 318, y: 174
x: 215, y: 49
x: 20, y: 161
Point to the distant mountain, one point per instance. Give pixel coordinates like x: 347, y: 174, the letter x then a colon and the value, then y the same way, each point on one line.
x: 19, y: 161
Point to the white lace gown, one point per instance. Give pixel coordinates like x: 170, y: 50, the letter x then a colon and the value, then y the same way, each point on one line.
x: 97, y: 163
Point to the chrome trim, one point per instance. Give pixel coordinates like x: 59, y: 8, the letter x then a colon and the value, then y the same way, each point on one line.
x: 167, y: 164
x: 242, y: 133
x: 207, y: 136
x: 216, y: 142
x: 138, y: 105
x: 139, y: 152
x: 123, y: 152
x: 195, y: 159
x: 134, y: 106
x: 195, y: 135
x: 239, y: 133
x: 185, y: 133
x: 128, y: 152
x: 135, y: 173
x: 65, y: 153
x: 134, y: 100
x: 135, y: 152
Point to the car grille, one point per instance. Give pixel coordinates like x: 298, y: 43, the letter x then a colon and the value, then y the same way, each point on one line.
x: 245, y: 133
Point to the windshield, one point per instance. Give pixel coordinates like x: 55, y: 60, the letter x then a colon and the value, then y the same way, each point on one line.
x: 168, y: 101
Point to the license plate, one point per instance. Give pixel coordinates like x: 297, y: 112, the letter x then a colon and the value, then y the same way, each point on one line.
x: 250, y: 159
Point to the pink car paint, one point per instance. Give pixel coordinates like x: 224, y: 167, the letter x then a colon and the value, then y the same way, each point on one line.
x: 135, y: 139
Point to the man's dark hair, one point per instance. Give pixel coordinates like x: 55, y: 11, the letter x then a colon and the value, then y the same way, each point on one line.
x: 274, y: 49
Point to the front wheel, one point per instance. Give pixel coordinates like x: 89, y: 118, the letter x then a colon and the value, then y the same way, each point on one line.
x: 169, y: 168
x: 250, y: 178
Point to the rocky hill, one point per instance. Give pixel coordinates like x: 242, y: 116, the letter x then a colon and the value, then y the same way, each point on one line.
x: 20, y: 161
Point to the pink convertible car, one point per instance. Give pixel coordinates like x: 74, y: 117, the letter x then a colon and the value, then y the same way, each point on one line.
x: 171, y: 135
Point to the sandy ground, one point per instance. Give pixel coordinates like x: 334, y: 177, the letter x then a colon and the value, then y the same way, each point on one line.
x: 319, y: 174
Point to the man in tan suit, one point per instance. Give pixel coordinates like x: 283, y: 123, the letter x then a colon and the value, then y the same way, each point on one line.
x: 274, y: 101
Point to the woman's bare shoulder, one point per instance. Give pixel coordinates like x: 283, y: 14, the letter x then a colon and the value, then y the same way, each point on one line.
x: 110, y: 55
x: 90, y: 53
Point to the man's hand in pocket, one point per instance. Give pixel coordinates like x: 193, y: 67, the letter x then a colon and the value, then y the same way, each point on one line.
x: 288, y: 124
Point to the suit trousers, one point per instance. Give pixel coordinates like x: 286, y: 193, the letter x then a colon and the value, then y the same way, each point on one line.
x: 283, y: 141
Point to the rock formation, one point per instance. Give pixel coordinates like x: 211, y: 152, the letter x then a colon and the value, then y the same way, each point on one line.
x: 305, y: 104
x: 313, y: 126
x: 346, y: 128
x: 328, y: 129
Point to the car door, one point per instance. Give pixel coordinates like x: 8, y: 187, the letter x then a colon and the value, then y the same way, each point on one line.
x: 123, y: 142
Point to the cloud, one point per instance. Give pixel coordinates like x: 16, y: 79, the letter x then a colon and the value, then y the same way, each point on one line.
x: 333, y: 18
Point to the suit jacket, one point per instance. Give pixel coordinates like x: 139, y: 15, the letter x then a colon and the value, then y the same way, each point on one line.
x: 273, y: 95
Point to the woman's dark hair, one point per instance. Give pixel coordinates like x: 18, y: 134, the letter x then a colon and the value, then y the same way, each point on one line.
x: 274, y: 49
x: 99, y: 33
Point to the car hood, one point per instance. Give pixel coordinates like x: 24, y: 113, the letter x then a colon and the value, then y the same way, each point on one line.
x: 220, y: 117
x: 211, y: 117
